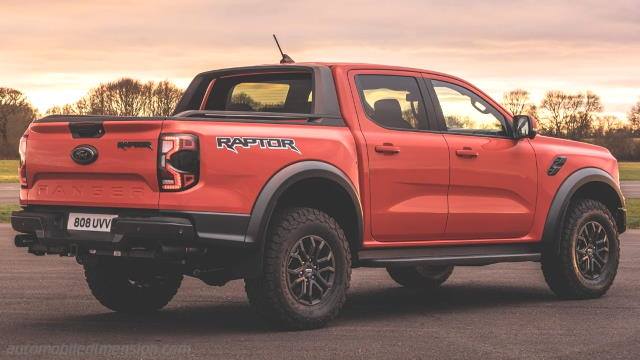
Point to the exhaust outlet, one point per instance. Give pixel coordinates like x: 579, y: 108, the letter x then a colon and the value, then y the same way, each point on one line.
x: 24, y: 240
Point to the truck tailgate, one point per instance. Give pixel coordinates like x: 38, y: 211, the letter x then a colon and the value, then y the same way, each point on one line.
x: 123, y: 173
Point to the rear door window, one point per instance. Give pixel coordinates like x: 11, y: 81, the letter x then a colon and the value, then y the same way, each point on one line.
x: 274, y: 92
x: 392, y: 101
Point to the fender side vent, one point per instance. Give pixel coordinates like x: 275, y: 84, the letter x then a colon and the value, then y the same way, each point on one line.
x: 556, y: 165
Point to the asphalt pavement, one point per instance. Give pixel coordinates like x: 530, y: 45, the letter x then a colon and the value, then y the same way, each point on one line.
x: 502, y: 311
x: 9, y: 193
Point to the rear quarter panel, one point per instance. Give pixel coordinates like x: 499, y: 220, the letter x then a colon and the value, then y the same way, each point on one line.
x: 230, y: 182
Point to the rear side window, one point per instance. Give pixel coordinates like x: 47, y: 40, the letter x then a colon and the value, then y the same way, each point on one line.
x: 277, y: 92
x: 391, y: 101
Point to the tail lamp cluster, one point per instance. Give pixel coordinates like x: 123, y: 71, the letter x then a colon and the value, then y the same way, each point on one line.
x: 22, y: 170
x: 179, y: 162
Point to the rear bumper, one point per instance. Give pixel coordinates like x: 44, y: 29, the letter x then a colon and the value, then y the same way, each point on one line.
x: 44, y: 230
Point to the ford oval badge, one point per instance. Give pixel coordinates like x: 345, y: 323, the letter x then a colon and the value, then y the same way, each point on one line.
x: 84, y: 154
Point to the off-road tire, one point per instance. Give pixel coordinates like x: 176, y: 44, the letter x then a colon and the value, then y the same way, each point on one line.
x: 559, y: 265
x: 421, y: 277
x: 131, y: 288
x: 272, y: 295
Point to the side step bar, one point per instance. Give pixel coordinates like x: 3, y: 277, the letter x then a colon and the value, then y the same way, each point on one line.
x: 450, y: 255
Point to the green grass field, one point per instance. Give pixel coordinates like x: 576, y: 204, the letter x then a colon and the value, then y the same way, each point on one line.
x: 633, y: 213
x: 5, y: 212
x: 8, y: 171
x: 629, y: 171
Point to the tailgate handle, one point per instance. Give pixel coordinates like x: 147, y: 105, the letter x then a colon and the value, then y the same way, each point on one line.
x: 86, y: 130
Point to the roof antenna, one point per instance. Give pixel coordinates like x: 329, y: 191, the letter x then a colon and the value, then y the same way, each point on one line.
x: 285, y: 58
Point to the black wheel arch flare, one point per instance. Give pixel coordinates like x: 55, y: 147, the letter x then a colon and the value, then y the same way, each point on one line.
x: 278, y: 184
x: 570, y: 186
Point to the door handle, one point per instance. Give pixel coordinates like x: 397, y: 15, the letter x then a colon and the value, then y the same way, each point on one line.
x: 467, y: 152
x: 387, y: 148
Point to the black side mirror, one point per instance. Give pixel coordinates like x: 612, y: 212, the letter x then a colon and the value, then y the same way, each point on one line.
x: 523, y: 127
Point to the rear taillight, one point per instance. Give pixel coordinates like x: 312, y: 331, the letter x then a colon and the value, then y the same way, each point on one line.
x: 22, y: 170
x: 179, y: 161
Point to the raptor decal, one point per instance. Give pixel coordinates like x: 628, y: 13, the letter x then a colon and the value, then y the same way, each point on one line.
x: 233, y: 143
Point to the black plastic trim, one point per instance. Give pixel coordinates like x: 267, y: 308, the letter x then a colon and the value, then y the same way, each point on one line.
x: 262, y: 117
x: 565, y: 192
x: 281, y: 181
x: 450, y: 255
x: 427, y: 97
x: 86, y: 130
x: 325, y: 99
x: 218, y: 228
x: 207, y: 229
x: 556, y: 165
x: 224, y: 116
x: 91, y: 119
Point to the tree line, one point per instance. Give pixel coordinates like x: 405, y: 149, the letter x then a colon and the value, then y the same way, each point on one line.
x: 16, y: 112
x: 123, y: 97
x: 577, y: 116
x: 562, y: 114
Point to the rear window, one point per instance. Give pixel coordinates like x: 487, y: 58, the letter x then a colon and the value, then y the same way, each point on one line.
x: 277, y: 92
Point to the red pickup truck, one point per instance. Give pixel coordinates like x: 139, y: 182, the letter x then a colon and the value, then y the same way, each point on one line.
x: 288, y: 176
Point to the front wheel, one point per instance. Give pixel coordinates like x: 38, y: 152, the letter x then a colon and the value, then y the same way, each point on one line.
x: 584, y: 264
x: 307, y: 269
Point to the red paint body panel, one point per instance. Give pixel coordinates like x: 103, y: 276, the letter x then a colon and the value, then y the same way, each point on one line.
x: 526, y: 192
x: 425, y: 195
x: 409, y: 189
x: 579, y: 156
x: 231, y: 182
x: 494, y: 194
x: 121, y: 178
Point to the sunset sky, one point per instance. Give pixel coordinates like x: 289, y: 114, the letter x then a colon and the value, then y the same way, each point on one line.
x: 55, y: 50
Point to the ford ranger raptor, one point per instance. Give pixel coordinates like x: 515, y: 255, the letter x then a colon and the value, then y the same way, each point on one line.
x: 288, y: 176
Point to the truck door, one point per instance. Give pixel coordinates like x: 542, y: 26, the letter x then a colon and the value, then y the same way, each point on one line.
x: 493, y: 186
x: 408, y: 164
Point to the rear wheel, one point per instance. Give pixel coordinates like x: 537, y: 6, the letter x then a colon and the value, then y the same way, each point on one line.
x: 584, y: 263
x: 131, y: 287
x: 421, y: 276
x: 307, y: 269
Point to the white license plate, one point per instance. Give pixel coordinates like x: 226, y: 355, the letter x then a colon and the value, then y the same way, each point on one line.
x: 90, y: 222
